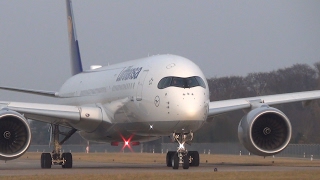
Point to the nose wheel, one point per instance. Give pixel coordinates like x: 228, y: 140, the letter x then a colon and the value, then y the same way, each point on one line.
x: 182, y: 156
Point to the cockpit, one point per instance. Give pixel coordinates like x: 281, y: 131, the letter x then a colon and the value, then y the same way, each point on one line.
x: 188, y: 82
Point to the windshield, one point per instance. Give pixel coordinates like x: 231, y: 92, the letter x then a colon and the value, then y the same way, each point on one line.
x: 188, y: 82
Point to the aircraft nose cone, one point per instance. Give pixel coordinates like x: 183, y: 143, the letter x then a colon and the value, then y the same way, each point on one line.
x: 195, y: 112
x: 193, y: 108
x: 192, y: 111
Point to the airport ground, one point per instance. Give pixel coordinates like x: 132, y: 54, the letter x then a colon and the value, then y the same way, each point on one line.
x: 152, y: 166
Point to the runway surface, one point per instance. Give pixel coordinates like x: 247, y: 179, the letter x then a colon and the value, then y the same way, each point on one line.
x: 32, y: 167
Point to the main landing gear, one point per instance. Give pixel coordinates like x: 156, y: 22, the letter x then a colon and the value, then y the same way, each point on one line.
x: 56, y: 157
x: 182, y: 156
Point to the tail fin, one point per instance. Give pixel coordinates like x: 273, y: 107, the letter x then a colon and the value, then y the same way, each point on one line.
x: 76, y: 65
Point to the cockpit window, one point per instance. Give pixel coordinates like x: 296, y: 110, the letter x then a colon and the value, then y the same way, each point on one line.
x: 200, y: 81
x: 181, y: 82
x: 164, y: 82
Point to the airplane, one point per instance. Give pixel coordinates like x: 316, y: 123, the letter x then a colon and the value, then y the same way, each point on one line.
x: 138, y: 101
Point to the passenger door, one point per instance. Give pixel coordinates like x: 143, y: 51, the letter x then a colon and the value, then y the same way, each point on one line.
x: 140, y: 84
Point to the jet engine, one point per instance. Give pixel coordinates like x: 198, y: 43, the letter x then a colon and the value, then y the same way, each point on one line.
x: 15, y: 135
x: 264, y: 131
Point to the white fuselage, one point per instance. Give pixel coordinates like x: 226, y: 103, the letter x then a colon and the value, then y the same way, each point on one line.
x: 133, y: 104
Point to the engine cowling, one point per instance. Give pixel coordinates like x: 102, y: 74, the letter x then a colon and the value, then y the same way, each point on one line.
x: 15, y: 135
x: 265, y: 131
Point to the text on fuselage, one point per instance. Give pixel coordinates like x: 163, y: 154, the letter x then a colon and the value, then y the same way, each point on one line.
x: 129, y: 73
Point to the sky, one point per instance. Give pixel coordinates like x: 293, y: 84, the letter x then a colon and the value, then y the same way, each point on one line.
x: 224, y: 38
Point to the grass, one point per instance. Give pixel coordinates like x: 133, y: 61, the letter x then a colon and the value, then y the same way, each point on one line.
x: 147, y: 158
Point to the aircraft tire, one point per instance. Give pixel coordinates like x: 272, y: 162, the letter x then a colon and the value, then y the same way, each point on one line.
x: 46, y: 160
x: 175, y: 161
x: 195, y: 158
x: 68, y: 160
x: 185, y: 164
x: 169, y: 157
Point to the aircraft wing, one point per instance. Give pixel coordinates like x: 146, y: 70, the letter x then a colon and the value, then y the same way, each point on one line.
x: 84, y: 118
x: 220, y: 107
x: 31, y: 91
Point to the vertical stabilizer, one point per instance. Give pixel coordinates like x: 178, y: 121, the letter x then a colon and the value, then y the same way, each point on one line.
x: 76, y: 65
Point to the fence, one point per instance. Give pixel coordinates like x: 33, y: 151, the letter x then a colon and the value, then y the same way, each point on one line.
x: 292, y: 150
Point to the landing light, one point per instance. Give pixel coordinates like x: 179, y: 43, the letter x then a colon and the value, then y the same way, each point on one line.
x: 181, y: 146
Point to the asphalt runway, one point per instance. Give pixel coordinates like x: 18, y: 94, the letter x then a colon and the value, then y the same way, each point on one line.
x: 32, y: 167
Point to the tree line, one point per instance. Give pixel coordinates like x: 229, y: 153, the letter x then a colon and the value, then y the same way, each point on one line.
x: 299, y: 77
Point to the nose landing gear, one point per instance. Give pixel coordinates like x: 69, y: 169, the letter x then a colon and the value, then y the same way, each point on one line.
x: 182, y: 156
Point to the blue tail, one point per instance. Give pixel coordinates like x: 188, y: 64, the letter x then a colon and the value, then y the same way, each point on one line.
x: 76, y: 65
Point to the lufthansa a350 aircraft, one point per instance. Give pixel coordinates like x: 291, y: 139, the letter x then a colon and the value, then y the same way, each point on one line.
x: 137, y: 101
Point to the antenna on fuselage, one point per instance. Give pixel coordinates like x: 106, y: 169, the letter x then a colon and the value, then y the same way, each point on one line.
x: 75, y: 58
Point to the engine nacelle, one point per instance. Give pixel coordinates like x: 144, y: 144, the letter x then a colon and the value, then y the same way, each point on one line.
x: 265, y: 131
x: 15, y: 135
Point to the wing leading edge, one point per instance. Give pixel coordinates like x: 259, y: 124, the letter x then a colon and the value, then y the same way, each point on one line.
x: 83, y: 118
x: 31, y: 91
x: 225, y: 106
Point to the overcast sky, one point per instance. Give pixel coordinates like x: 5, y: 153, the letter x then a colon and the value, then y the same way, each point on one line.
x: 223, y: 37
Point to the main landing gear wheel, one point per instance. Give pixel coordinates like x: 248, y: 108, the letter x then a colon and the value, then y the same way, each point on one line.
x: 56, y: 157
x: 46, y: 160
x: 169, y: 157
x: 175, y: 161
x: 67, y: 158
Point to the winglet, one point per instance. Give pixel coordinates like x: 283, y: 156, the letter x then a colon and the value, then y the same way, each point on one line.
x: 76, y: 65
